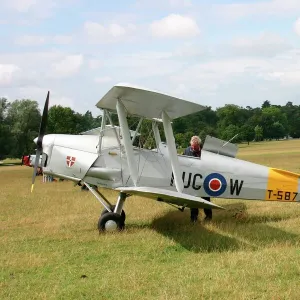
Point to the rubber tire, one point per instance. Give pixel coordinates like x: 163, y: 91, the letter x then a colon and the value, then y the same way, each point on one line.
x: 105, y: 211
x: 110, y: 216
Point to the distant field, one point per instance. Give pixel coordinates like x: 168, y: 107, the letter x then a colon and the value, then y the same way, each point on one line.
x: 10, y: 161
x: 51, y: 249
x: 278, y: 154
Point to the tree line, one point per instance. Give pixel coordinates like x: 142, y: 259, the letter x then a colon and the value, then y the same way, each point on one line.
x: 20, y: 121
x: 251, y: 124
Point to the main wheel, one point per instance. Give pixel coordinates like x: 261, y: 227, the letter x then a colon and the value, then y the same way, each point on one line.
x: 105, y: 211
x: 111, y: 222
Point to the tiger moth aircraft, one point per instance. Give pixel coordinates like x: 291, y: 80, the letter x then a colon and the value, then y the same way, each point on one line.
x: 108, y: 158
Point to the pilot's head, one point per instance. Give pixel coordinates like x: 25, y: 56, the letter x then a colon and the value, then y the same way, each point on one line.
x: 195, y: 143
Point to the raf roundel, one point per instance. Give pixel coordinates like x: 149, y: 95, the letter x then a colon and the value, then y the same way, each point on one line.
x: 215, y: 184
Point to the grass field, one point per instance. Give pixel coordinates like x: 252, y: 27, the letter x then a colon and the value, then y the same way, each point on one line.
x: 10, y: 161
x: 51, y: 249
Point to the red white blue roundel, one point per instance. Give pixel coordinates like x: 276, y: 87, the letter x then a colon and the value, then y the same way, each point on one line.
x: 214, y: 184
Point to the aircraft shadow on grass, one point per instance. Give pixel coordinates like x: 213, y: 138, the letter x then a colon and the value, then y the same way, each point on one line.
x: 230, y: 230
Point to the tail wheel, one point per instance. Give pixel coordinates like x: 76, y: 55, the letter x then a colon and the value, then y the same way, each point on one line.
x: 111, y: 222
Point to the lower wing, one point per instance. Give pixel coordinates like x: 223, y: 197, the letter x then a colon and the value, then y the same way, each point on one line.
x: 169, y: 197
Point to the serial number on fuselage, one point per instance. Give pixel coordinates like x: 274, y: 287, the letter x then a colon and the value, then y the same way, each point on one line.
x: 282, y: 195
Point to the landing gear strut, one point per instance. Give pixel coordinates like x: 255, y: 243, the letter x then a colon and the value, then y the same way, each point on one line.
x: 113, y: 216
x: 115, y: 220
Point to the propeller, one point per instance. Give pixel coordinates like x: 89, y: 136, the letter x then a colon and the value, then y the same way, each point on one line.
x: 39, y: 142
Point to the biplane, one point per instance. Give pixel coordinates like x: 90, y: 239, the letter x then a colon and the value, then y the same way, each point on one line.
x: 108, y: 157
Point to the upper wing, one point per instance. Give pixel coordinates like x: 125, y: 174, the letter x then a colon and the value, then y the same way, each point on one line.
x: 147, y: 103
x: 169, y: 196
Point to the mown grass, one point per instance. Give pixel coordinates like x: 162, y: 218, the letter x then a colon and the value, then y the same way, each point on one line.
x: 51, y: 249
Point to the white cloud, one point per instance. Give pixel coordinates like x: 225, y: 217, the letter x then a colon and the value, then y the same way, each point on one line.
x: 98, y: 33
x: 104, y: 79
x: 137, y: 66
x: 62, y: 39
x: 180, y: 3
x: 21, y: 5
x: 241, y: 80
x: 191, y: 49
x: 274, y: 7
x: 297, y: 26
x: 7, y: 73
x: 31, y: 59
x: 35, y: 66
x: 223, y: 71
x: 36, y: 40
x: 95, y: 64
x: 285, y: 69
x: 286, y: 78
x: 159, y: 4
x: 175, y: 26
x: 41, y: 67
x: 63, y: 101
x: 39, y: 94
x: 68, y: 66
x: 265, y: 44
x: 181, y: 90
x: 34, y: 8
x: 31, y: 12
x: 30, y: 40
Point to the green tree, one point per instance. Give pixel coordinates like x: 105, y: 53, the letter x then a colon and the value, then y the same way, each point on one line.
x: 278, y: 130
x: 207, y: 130
x: 180, y: 140
x: 229, y: 132
x: 271, y: 115
x: 24, y: 118
x: 293, y: 116
x: 5, y: 134
x: 247, y: 133
x: 62, y: 120
x: 196, y: 122
x: 258, y: 133
x: 230, y: 114
x: 266, y: 104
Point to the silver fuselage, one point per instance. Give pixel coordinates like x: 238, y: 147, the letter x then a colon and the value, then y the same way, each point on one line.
x: 78, y: 157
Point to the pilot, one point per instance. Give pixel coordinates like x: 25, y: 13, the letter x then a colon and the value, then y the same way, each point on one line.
x: 195, y: 150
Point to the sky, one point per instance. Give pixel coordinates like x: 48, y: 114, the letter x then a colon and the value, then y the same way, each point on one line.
x: 211, y: 52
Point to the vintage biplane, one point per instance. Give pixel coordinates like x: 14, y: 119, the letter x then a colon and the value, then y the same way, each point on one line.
x: 109, y: 158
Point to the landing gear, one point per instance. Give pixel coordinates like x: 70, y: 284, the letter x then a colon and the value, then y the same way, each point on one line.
x: 110, y: 221
x: 114, y: 220
x: 113, y: 216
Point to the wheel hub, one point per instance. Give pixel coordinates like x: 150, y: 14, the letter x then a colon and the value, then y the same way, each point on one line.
x: 111, y: 225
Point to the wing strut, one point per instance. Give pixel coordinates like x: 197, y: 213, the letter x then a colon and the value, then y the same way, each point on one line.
x: 136, y: 131
x: 127, y: 141
x: 156, y: 133
x: 172, y: 151
x: 103, y: 123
